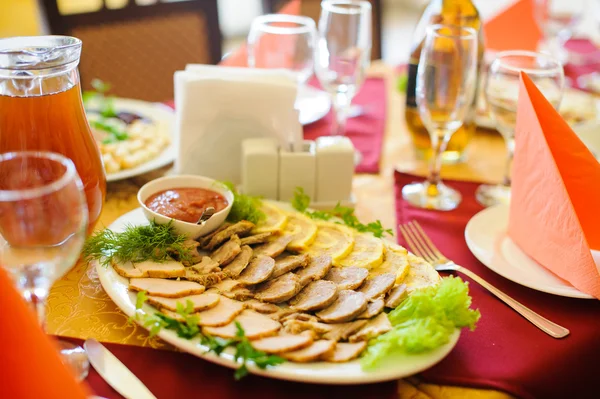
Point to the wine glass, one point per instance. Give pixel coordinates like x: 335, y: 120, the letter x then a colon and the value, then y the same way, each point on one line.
x: 446, y: 83
x: 343, y: 53
x: 557, y: 19
x: 283, y: 41
x: 502, y: 93
x: 43, y: 222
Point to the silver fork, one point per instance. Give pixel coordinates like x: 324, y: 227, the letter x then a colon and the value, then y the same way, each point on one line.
x: 421, y: 245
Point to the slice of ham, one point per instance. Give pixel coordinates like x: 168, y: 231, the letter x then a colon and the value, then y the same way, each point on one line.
x: 260, y: 238
x: 396, y: 296
x: 315, y: 296
x: 373, y: 309
x: 282, y: 343
x: 317, y: 268
x: 261, y: 307
x: 378, y: 286
x: 240, y: 229
x: 279, y: 289
x: 347, y: 278
x: 311, y: 353
x: 273, y: 248
x: 255, y: 326
x: 237, y: 265
x: 227, y: 252
x: 258, y: 270
x: 222, y: 314
x: 199, y: 302
x: 346, y: 307
x: 344, y: 352
x: 375, y: 327
x: 341, y: 331
x: 151, y: 269
x: 206, y: 266
x: 165, y: 288
x: 289, y: 263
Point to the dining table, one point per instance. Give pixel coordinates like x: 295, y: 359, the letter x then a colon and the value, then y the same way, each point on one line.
x: 78, y: 307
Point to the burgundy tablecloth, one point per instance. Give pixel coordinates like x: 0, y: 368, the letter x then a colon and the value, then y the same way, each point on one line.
x: 367, y: 130
x: 586, y: 60
x: 172, y: 375
x: 506, y: 352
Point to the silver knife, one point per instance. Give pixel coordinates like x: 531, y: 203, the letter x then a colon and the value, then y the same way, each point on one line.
x: 115, y: 373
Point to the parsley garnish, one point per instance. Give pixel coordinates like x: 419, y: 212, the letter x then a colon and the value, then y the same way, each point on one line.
x: 189, y: 329
x: 301, y: 202
x: 136, y: 244
x: 244, y: 207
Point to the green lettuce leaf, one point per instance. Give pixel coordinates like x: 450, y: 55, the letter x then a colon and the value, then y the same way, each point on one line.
x: 424, y: 321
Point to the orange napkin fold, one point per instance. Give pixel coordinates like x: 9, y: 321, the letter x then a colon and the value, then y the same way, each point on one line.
x: 33, y: 368
x: 239, y: 57
x: 555, y: 199
x: 514, y: 28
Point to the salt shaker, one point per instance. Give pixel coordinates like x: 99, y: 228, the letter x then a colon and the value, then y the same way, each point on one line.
x: 297, y: 169
x: 335, y: 168
x: 260, y: 167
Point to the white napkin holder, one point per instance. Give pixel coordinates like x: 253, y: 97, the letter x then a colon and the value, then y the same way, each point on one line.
x: 219, y: 107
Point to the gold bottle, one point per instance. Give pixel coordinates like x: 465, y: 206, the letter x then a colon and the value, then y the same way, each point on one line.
x: 447, y: 12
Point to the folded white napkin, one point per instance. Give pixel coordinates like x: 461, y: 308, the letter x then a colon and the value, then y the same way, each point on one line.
x: 218, y: 107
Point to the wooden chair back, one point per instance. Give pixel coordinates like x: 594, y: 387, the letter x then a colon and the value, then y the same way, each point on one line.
x: 137, y: 48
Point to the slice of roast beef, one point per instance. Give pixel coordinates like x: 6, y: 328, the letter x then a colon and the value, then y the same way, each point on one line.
x: 346, y: 307
x: 227, y: 252
x: 261, y: 307
x: 206, y: 266
x: 240, y: 229
x: 341, y: 331
x: 347, y: 278
x: 289, y: 263
x: 294, y: 326
x: 260, y: 238
x: 237, y: 265
x: 396, y: 296
x: 378, y: 286
x: 317, y: 268
x: 315, y: 296
x: 279, y: 289
x: 273, y: 248
x: 344, y: 352
x: 258, y: 270
x: 375, y: 327
x: 373, y: 309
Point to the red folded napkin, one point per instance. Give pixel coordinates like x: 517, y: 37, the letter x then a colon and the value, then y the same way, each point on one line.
x: 507, y: 352
x: 513, y: 28
x: 31, y: 366
x: 169, y: 374
x: 555, y: 193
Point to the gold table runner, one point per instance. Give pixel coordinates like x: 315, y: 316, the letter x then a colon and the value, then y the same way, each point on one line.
x: 78, y: 306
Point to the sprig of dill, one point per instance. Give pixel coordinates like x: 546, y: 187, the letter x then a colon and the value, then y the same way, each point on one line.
x: 301, y: 202
x: 188, y: 329
x: 244, y: 207
x: 136, y: 244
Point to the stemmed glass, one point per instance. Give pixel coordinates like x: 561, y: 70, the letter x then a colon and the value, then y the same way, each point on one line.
x: 502, y: 93
x: 343, y: 53
x: 283, y: 41
x: 446, y: 84
x: 557, y: 20
x: 43, y: 222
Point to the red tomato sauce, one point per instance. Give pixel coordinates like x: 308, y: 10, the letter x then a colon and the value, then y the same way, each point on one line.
x: 186, y: 204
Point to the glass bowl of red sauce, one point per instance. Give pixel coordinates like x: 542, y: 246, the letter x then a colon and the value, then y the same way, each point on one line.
x: 182, y: 199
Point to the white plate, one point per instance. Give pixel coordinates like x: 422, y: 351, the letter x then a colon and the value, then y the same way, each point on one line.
x: 393, y: 368
x: 158, y: 113
x: 312, y: 103
x: 487, y: 239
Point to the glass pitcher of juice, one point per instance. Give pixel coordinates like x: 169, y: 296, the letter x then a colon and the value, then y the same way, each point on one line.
x: 41, y: 108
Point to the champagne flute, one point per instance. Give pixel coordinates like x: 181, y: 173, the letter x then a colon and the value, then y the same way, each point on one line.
x: 446, y: 84
x: 502, y: 93
x: 343, y: 53
x: 283, y: 41
x: 43, y: 221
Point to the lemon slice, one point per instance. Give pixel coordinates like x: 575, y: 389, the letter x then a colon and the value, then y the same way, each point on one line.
x: 275, y: 221
x: 420, y: 274
x: 334, y: 240
x: 367, y: 252
x: 396, y: 262
x: 302, y: 229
